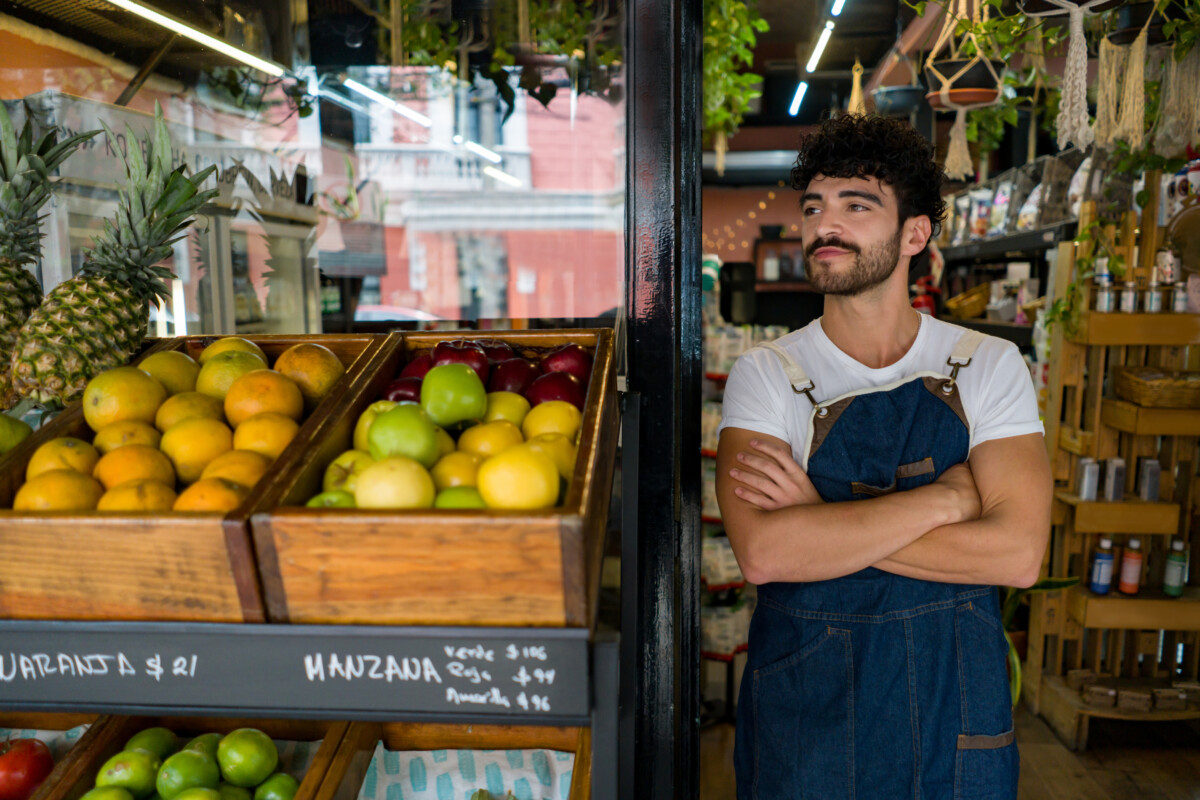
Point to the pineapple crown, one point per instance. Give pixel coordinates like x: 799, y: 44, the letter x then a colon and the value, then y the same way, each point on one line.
x: 25, y: 168
x: 156, y: 206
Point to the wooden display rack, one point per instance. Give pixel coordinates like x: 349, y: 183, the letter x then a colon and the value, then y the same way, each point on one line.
x: 1117, y: 636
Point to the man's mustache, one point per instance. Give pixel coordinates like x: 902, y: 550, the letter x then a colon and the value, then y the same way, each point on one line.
x: 831, y: 242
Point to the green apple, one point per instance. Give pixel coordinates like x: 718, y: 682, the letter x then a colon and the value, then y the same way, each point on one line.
x: 363, y: 426
x: 459, y: 497
x: 343, y: 471
x: 405, y: 430
x: 453, y: 393
x: 397, y: 482
x: 12, y: 432
x: 336, y: 498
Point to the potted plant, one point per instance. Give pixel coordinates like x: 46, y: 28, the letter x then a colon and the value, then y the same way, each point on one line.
x: 731, y: 29
x: 1008, y: 616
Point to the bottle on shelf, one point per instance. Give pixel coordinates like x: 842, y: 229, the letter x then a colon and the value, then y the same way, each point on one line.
x: 770, y: 266
x: 785, y: 266
x: 1131, y: 567
x: 1174, y: 573
x: 1102, y: 567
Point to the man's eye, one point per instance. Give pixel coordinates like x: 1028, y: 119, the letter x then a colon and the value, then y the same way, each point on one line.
x: 858, y: 207
x: 809, y: 211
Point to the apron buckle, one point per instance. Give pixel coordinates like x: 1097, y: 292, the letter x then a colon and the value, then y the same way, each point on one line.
x: 948, y: 386
x: 807, y: 392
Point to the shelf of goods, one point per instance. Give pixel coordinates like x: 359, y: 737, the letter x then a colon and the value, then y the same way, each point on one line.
x: 1015, y: 245
x: 1136, y: 643
x: 434, y: 624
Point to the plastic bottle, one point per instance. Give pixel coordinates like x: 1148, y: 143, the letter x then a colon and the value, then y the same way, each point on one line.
x: 1131, y: 567
x: 1176, y: 567
x: 1102, y: 567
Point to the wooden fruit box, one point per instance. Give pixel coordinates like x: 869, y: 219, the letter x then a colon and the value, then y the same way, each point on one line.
x: 22, y: 723
x: 76, y: 774
x: 359, y: 566
x: 346, y: 775
x: 126, y: 566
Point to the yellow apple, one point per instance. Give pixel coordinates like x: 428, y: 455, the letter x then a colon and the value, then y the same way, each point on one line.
x: 396, y: 482
x: 363, y: 426
x: 343, y: 471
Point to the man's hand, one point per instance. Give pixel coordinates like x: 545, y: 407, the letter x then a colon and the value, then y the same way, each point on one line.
x: 771, y: 478
x: 961, y: 482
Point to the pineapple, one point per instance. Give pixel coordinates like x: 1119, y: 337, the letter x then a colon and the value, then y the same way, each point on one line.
x: 25, y: 168
x: 96, y: 320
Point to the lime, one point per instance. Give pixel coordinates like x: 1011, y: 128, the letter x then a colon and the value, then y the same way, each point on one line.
x: 158, y: 741
x: 279, y: 786
x: 198, y: 794
x: 12, y: 432
x: 130, y: 769
x: 247, y: 756
x: 107, y: 793
x: 206, y: 743
x: 187, y: 769
x: 230, y: 792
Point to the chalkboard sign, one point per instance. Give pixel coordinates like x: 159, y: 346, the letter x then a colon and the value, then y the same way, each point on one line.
x: 503, y: 674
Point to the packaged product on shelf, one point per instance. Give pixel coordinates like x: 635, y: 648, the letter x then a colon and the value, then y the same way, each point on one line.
x: 1078, y: 187
x: 718, y: 567
x: 1027, y: 217
x: 1114, y: 479
x: 708, y: 490
x: 1149, y: 473
x: 1102, y: 568
x: 998, y: 223
x: 1175, y: 574
x: 981, y: 208
x: 710, y: 421
x: 725, y: 630
x: 962, y: 218
x: 1131, y: 567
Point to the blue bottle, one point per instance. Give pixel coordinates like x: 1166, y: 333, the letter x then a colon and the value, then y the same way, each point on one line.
x: 1102, y: 568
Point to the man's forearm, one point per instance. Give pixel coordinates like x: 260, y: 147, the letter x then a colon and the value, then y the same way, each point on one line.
x: 828, y: 540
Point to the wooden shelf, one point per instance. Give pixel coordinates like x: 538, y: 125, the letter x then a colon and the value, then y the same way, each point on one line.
x: 1131, y: 515
x: 1097, y: 328
x: 1056, y: 684
x: 1149, y: 609
x: 1142, y: 421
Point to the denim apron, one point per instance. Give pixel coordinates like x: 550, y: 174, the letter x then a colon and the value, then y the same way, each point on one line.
x: 874, y: 685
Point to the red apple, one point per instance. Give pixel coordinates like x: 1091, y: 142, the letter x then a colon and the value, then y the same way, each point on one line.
x: 495, y: 350
x: 556, y: 386
x: 569, y: 358
x: 417, y: 367
x: 462, y: 351
x: 404, y: 389
x: 512, y: 375
x: 24, y: 764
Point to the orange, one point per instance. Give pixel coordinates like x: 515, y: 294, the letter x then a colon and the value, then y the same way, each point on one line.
x: 138, y: 496
x: 211, y: 494
x: 220, y: 371
x: 135, y: 462
x: 124, y: 393
x: 247, y: 757
x: 231, y: 343
x: 65, y: 452
x: 119, y: 434
x: 174, y: 369
x: 244, y: 467
x: 455, y: 469
x: 59, y: 490
x: 519, y: 478
x: 185, y: 406
x: 315, y: 369
x: 194, y: 443
x: 560, y: 449
x: 262, y: 391
x: 553, y: 416
x: 266, y: 433
x: 489, y: 438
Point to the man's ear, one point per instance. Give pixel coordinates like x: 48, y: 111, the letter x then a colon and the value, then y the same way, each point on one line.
x: 914, y: 235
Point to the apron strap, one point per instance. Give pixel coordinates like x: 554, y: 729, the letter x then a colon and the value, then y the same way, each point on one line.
x: 801, y: 383
x: 961, y: 355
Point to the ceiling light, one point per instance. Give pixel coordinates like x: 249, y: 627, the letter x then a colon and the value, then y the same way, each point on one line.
x: 798, y: 98
x: 838, y: 5
x: 820, y: 48
x: 211, y: 42
x: 502, y: 176
x: 383, y: 99
x: 483, y: 152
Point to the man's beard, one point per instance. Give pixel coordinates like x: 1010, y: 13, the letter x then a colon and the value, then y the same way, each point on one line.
x: 868, y: 270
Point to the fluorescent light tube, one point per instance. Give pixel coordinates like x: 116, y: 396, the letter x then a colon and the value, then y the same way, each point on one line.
x: 798, y: 98
x: 501, y: 176
x: 211, y: 42
x: 383, y: 99
x: 820, y: 48
x: 838, y: 5
x: 483, y: 152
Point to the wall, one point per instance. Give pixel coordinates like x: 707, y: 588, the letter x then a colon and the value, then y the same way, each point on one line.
x: 732, y: 216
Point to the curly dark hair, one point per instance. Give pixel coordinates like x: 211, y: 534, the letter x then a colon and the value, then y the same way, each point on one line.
x: 858, y: 146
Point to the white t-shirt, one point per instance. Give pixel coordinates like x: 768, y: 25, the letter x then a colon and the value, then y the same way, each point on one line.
x: 997, y: 391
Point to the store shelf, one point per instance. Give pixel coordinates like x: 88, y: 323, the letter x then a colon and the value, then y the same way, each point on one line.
x: 1026, y: 243
x: 433, y: 674
x: 1142, y: 421
x: 1131, y: 515
x: 1117, y: 329
x: 1019, y: 334
x: 784, y: 286
x: 1058, y: 686
x: 708, y: 453
x: 1149, y: 609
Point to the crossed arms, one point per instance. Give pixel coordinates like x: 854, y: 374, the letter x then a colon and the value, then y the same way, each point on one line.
x: 983, y: 522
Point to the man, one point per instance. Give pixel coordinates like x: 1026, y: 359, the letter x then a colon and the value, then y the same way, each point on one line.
x: 879, y: 473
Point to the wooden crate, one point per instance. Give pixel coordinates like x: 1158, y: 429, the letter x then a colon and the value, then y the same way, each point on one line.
x: 76, y: 773
x: 344, y: 778
x: 125, y: 566
x: 426, y: 567
x: 40, y: 721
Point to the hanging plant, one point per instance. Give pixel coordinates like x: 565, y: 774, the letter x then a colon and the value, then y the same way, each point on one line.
x: 731, y: 29
x: 1183, y: 26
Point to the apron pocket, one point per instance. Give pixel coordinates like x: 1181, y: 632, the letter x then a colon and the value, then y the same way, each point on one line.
x: 986, y: 768
x: 986, y: 763
x: 804, y: 722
